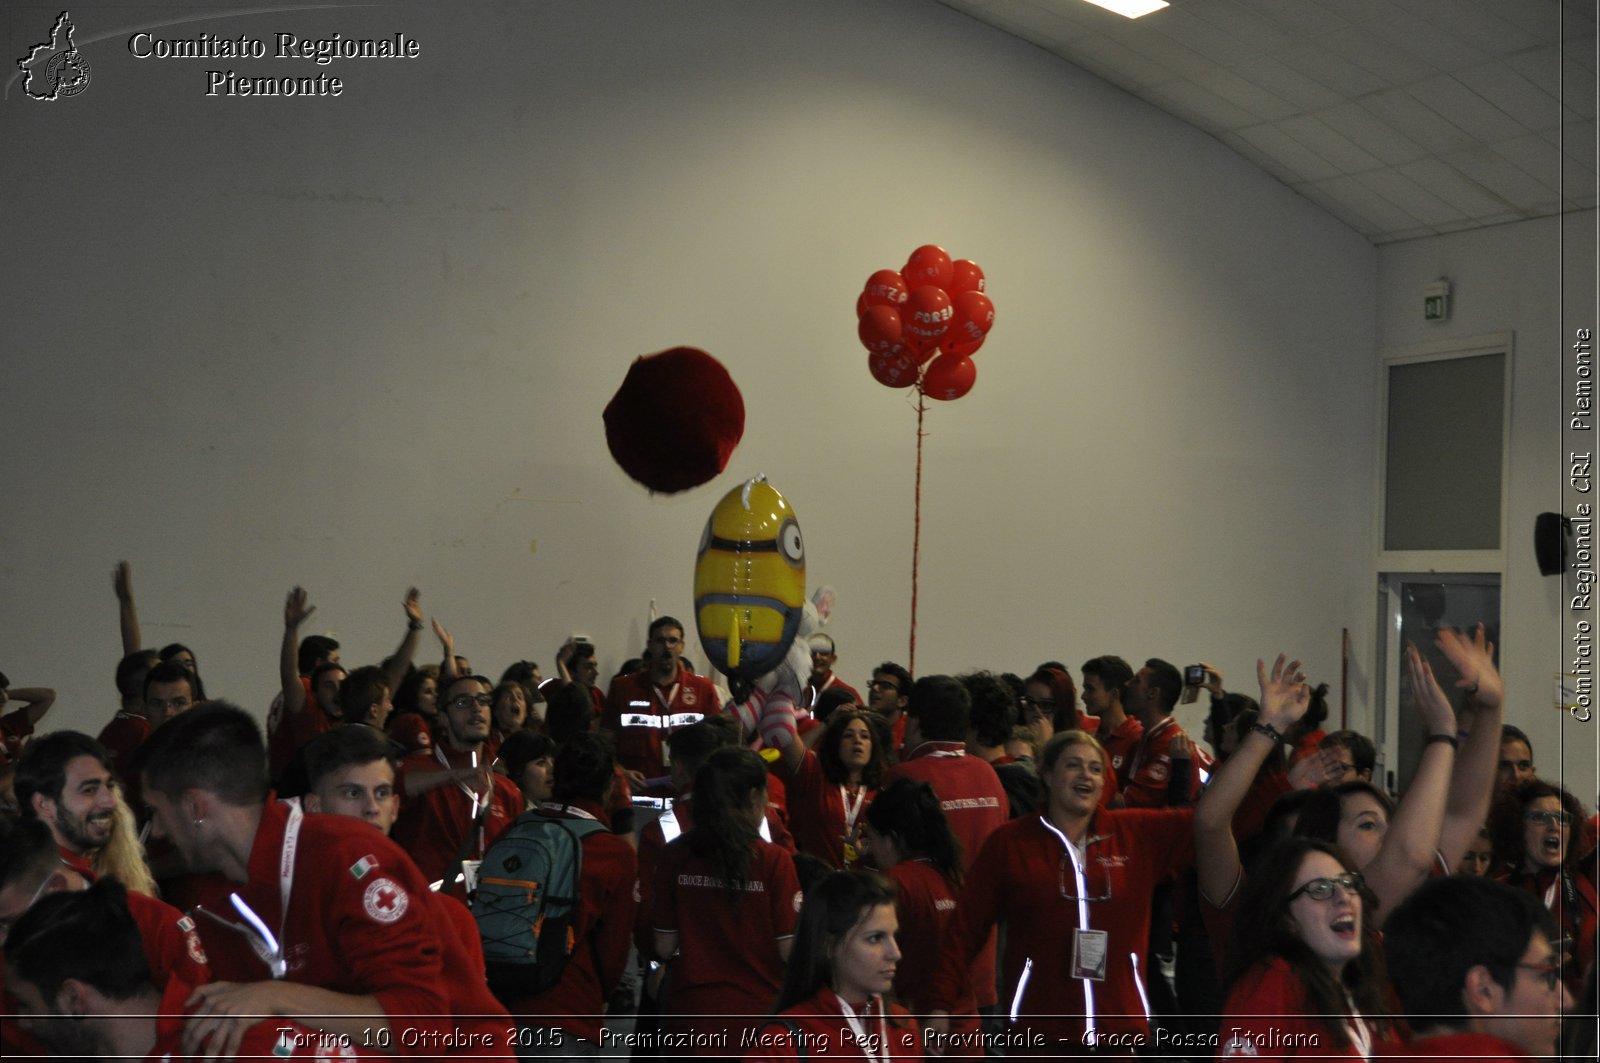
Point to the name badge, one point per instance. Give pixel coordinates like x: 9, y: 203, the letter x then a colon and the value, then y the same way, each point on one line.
x: 1089, y: 951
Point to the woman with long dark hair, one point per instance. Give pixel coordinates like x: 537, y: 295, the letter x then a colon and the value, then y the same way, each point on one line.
x: 1303, y: 972
x: 910, y: 840
x: 829, y: 788
x: 834, y: 1000
x: 724, y: 903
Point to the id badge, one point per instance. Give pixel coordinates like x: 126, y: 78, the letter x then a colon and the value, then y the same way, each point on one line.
x: 1089, y: 951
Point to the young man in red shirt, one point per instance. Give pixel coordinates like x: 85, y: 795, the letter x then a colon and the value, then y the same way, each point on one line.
x: 1151, y: 695
x: 643, y: 707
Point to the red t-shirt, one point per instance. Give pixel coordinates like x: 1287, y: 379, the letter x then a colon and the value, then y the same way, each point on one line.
x: 1265, y: 1019
x: 727, y: 966
x: 925, y: 906
x: 825, y: 815
x: 122, y: 737
x: 1120, y: 745
x: 432, y: 825
x: 813, y: 691
x: 641, y: 714
x: 601, y: 931
x: 288, y: 732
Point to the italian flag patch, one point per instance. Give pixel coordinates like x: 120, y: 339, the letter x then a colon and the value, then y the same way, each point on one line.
x: 360, y: 868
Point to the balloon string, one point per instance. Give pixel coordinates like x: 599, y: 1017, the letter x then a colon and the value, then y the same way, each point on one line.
x: 916, y: 530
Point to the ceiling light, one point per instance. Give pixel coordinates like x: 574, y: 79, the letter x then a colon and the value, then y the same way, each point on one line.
x: 1130, y: 8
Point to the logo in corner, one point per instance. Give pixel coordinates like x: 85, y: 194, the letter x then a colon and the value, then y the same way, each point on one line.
x: 55, y: 69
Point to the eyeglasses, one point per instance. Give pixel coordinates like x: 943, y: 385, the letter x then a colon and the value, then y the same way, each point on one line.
x: 1548, y: 819
x: 884, y: 684
x: 1037, y: 703
x: 1066, y: 881
x: 467, y: 701
x: 1547, y: 971
x: 1321, y: 889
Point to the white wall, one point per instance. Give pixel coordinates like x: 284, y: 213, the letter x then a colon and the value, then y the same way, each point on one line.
x: 1512, y: 278
x: 364, y: 342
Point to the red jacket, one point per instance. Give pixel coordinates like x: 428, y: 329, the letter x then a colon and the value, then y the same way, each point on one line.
x: 1018, y: 878
x: 602, y: 930
x: 1120, y: 745
x: 356, y: 923
x: 817, y: 810
x: 267, y: 1039
x: 817, y: 1028
x: 1266, y: 1018
x: 926, y: 904
x: 813, y: 691
x: 1150, y: 772
x: 641, y: 714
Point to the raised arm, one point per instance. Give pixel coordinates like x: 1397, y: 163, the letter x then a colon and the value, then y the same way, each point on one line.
x: 1284, y: 699
x: 37, y: 701
x: 447, y: 667
x: 399, y: 664
x: 1404, y: 860
x: 1482, y: 710
x: 295, y: 612
x: 127, y: 615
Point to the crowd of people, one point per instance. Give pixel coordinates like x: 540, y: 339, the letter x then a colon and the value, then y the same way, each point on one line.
x: 418, y: 859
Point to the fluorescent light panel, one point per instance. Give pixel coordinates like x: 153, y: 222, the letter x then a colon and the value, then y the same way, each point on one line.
x: 1130, y: 8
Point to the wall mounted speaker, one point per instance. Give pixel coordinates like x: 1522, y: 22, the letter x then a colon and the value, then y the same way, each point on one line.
x: 1550, y: 531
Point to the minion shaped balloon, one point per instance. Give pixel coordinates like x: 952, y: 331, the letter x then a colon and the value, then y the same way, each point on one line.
x: 749, y: 581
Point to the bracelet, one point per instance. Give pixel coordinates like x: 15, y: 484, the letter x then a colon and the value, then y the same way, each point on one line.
x: 1268, y: 730
x: 1451, y: 740
x: 413, y: 625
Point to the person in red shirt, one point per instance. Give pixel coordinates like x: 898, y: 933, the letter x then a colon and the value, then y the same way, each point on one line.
x: 1073, y: 886
x: 338, y: 933
x: 567, y: 1016
x: 643, y: 707
x: 79, y: 973
x: 833, y: 1004
x: 64, y: 779
x: 909, y: 839
x: 830, y: 787
x: 16, y: 727
x: 823, y: 657
x: 1304, y: 975
x: 453, y: 804
x: 1104, y: 679
x: 724, y: 905
x: 1151, y: 695
x: 127, y: 730
x: 887, y: 696
x: 1473, y: 965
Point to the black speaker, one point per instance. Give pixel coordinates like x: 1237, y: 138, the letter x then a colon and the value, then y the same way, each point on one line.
x: 1550, y: 531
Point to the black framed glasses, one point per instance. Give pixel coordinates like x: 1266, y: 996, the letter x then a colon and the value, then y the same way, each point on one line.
x: 1093, y: 890
x: 1321, y: 889
x: 1037, y: 703
x: 1547, y: 819
x: 884, y: 684
x: 467, y: 701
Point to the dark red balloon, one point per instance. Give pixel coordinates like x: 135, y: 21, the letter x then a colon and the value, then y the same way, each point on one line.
x: 885, y: 288
x: 879, y: 328
x: 861, y: 304
x: 949, y: 377
x: 965, y: 276
x: 919, y: 347
x: 928, y: 264
x: 892, y: 369
x: 959, y: 345
x: 675, y: 420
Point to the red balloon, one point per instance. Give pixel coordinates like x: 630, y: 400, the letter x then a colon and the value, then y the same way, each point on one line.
x: 861, y: 304
x: 927, y: 312
x: 928, y: 264
x: 885, y: 288
x: 959, y: 345
x: 949, y: 377
x: 965, y: 276
x: 892, y: 369
x: 879, y: 328
x: 972, y: 316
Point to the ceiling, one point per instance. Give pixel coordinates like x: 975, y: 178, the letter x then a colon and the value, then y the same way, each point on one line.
x: 1403, y: 118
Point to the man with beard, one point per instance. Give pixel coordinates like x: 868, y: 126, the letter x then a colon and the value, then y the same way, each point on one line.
x: 454, y: 805
x: 644, y: 707
x: 64, y: 780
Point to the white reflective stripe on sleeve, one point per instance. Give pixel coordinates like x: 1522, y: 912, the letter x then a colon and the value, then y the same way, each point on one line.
x: 640, y: 719
x: 684, y: 719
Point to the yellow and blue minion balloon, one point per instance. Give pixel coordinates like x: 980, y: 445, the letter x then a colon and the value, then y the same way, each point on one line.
x: 749, y: 580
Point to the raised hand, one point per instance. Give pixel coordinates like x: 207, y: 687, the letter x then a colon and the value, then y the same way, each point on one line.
x: 122, y: 581
x: 1473, y: 659
x: 1284, y: 694
x: 295, y: 609
x: 445, y: 638
x: 413, y: 606
x: 1435, y: 708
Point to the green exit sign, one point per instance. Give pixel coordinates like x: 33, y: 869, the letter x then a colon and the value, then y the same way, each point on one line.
x: 1433, y: 308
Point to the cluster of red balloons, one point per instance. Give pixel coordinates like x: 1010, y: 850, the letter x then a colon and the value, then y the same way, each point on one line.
x: 922, y: 324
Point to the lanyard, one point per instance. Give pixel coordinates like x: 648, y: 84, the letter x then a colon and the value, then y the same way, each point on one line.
x: 477, y: 804
x: 557, y: 806
x: 860, y: 1031
x: 852, y: 809
x: 269, y: 948
x: 1356, y: 1026
x: 1082, y: 889
x: 666, y: 702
